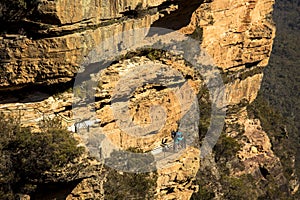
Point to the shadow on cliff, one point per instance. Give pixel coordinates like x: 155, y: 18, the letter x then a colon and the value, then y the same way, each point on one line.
x: 39, y: 92
x: 33, y: 93
x: 179, y: 18
x: 54, y: 190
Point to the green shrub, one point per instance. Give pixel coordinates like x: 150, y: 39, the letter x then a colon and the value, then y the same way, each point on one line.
x: 226, y: 147
x: 271, y: 120
x: 204, y: 193
x: 155, y: 54
x: 239, y: 188
x: 126, y: 185
x: 28, y: 155
x: 129, y: 185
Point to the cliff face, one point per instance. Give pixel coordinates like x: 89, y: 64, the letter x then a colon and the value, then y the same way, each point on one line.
x: 56, y: 59
x: 239, y: 37
x: 53, y: 41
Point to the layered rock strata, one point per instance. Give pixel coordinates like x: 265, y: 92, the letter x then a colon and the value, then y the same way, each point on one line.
x: 237, y: 35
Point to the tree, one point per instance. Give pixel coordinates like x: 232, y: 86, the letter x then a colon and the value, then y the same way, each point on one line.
x: 27, y: 155
x: 126, y: 185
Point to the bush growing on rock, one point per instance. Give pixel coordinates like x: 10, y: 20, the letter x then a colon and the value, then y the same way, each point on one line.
x: 226, y: 147
x: 26, y: 155
x: 129, y: 185
x: 126, y: 185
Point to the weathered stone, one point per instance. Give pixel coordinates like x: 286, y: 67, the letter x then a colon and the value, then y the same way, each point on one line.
x: 238, y: 35
x: 232, y: 29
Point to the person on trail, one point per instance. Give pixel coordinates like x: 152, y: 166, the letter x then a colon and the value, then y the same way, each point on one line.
x: 179, y: 140
x: 173, y: 134
x: 178, y: 137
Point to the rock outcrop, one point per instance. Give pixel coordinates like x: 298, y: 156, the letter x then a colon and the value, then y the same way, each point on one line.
x: 237, y: 35
x: 64, y: 32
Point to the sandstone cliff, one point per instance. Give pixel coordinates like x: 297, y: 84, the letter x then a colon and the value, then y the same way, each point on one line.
x: 51, y: 43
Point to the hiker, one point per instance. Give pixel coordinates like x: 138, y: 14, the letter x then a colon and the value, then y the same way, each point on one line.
x: 178, y: 137
x: 173, y: 134
x: 178, y: 140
